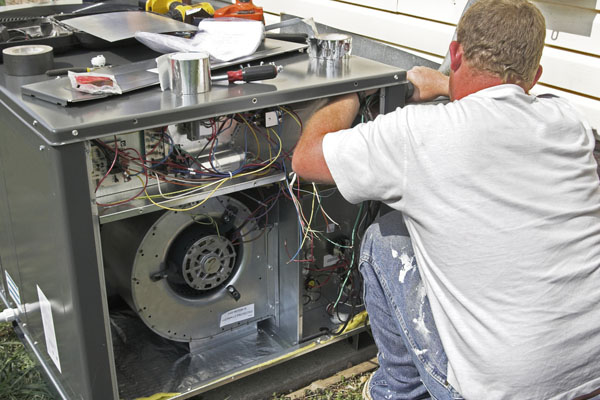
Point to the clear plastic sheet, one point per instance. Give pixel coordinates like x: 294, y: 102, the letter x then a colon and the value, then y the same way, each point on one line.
x: 225, y: 39
x: 147, y: 363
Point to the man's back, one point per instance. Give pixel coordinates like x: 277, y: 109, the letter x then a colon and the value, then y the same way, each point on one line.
x: 502, y: 201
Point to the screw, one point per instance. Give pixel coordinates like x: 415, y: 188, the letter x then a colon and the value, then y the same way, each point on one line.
x: 75, y: 132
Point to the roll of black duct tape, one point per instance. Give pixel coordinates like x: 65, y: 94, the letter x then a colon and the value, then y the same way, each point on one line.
x: 32, y: 59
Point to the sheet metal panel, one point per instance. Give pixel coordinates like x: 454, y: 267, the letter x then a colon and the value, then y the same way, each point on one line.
x: 55, y: 249
x: 151, y: 107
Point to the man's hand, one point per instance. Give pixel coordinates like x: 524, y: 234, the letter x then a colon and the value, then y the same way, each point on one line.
x: 429, y: 84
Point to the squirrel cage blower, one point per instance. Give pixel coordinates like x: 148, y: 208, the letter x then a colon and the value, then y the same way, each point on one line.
x: 195, y: 275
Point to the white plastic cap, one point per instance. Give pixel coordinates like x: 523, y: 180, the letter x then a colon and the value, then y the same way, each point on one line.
x: 98, y: 61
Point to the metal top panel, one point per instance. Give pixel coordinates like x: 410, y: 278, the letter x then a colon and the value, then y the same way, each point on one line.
x: 301, y: 79
x: 116, y: 26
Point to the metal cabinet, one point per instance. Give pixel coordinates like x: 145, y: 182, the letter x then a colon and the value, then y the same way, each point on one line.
x: 121, y: 299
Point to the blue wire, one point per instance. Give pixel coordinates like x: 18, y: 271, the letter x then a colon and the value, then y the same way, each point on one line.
x: 172, y: 143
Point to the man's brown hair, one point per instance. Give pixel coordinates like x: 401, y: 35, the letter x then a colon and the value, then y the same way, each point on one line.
x: 503, y: 37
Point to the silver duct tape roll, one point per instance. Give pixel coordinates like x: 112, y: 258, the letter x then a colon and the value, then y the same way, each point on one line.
x: 190, y: 73
x: 30, y: 59
x: 330, y: 46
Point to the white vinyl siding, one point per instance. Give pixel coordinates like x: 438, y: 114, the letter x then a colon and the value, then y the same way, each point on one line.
x: 571, y: 58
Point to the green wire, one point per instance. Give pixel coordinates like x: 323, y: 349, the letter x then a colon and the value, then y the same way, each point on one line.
x: 352, y: 258
x: 334, y: 243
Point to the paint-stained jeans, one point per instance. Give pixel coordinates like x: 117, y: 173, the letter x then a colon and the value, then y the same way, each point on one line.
x: 412, y: 361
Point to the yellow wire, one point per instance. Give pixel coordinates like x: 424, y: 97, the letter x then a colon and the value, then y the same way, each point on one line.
x: 150, y: 197
x: 269, y: 164
x: 269, y: 141
x: 189, y: 208
x: 291, y: 115
x: 164, y: 195
x: 212, y: 222
x: 270, y: 152
x: 254, y: 133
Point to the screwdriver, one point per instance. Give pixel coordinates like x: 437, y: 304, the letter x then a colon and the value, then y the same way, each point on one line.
x: 249, y: 74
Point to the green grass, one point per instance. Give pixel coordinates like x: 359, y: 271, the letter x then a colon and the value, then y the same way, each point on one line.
x: 20, y: 378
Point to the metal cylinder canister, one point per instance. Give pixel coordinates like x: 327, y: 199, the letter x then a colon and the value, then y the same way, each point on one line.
x: 190, y: 73
x: 330, y: 46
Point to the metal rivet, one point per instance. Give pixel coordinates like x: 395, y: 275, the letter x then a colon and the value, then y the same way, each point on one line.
x: 75, y: 132
x: 42, y: 148
x: 135, y: 121
x: 355, y: 84
x: 396, y: 77
x: 35, y: 122
x: 254, y: 100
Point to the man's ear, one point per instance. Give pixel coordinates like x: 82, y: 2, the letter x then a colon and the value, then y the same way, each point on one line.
x: 538, y: 74
x: 456, y: 55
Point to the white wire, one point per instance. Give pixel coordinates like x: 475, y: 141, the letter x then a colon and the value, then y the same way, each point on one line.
x: 321, y: 205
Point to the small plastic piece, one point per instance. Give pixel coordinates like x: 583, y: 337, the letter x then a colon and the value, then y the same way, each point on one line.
x: 98, y: 61
x: 8, y: 315
x: 271, y: 119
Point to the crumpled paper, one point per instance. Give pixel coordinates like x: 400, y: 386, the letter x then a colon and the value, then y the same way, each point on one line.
x: 225, y: 39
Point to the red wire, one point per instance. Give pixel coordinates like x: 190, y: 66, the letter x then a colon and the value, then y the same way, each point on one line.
x: 156, y: 145
x: 116, y: 150
x: 137, y: 194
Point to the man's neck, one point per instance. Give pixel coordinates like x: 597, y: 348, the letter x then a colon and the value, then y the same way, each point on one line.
x: 468, y: 80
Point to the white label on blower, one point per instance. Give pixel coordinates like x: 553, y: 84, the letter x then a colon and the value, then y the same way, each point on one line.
x: 237, y: 315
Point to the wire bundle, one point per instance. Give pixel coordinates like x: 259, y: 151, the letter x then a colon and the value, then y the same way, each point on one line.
x: 182, y: 169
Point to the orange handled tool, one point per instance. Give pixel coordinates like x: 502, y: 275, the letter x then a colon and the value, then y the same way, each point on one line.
x: 241, y: 9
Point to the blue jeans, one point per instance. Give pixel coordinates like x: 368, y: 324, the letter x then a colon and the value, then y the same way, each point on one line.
x: 412, y: 361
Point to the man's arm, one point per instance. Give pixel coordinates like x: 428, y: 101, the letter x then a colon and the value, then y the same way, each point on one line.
x: 308, y: 160
x: 429, y: 84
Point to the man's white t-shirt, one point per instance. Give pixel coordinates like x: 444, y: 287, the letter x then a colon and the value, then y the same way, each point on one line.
x: 501, y: 197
